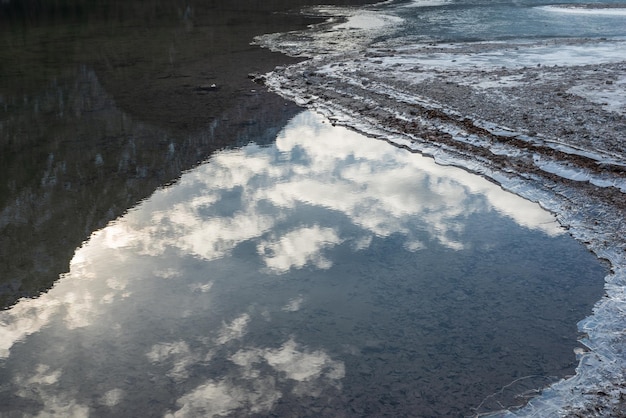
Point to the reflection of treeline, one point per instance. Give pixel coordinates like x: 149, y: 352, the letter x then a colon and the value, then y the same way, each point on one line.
x: 43, y: 11
x: 62, y: 10
x: 70, y: 176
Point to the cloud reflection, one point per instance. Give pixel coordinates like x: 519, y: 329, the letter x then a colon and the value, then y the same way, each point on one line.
x: 298, y: 248
x: 310, y: 371
x: 221, y: 398
x: 294, y: 304
x: 112, y: 397
x: 318, y: 189
x: 234, y: 330
x: 41, y: 388
x: 303, y: 366
x: 382, y: 190
x: 251, y: 386
x: 178, y: 354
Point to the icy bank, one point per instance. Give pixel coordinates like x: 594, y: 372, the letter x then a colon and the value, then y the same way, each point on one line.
x: 545, y: 119
x: 605, y: 9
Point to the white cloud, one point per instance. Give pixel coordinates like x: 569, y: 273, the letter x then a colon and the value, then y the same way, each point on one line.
x: 56, y: 406
x: 201, y: 287
x: 383, y: 190
x: 210, y: 400
x: 25, y: 318
x: 301, y: 365
x: 235, y: 330
x: 79, y: 308
x: 380, y: 189
x: 40, y: 387
x: 163, y: 351
x: 118, y: 235
x: 44, y: 376
x: 298, y: 248
x: 294, y: 304
x: 306, y: 372
x: 112, y: 397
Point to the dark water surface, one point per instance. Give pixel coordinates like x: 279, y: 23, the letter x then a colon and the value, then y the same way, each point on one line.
x: 271, y: 264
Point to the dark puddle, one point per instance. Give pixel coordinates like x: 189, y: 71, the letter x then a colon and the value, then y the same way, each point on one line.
x: 325, y: 274
x: 103, y: 102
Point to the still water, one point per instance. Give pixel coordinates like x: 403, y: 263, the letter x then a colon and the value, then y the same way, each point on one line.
x: 323, y: 274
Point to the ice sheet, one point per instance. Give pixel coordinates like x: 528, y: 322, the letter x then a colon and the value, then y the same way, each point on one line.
x: 512, y: 55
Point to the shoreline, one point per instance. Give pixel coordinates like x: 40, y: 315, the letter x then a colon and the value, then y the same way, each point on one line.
x: 551, y: 133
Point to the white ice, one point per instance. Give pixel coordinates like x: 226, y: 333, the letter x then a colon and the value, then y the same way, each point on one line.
x: 510, y: 55
x: 610, y: 96
x: 574, y: 9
